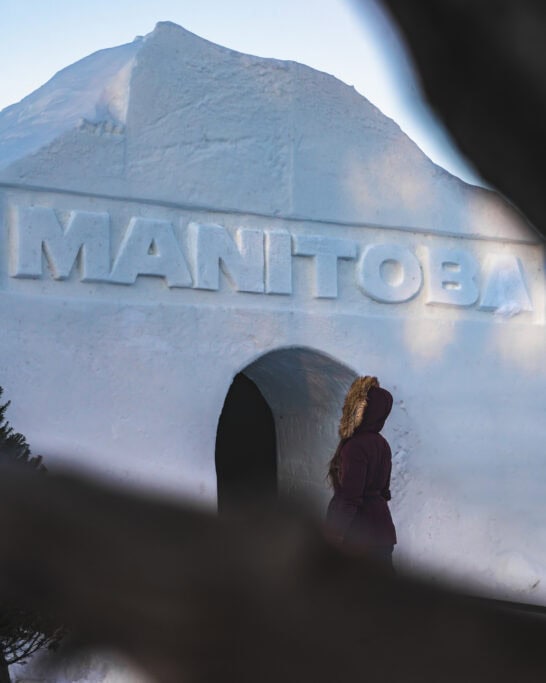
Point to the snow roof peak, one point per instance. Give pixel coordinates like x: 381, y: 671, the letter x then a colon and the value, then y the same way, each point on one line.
x: 172, y: 117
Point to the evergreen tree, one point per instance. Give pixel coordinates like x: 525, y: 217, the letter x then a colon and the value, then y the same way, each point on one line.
x: 22, y: 632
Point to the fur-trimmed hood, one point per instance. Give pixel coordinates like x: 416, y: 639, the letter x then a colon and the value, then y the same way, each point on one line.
x: 366, y: 407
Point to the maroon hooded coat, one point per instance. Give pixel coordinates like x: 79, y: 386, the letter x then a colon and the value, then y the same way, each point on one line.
x: 358, y: 513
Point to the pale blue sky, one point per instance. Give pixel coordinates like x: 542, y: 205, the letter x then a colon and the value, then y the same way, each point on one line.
x: 354, y: 42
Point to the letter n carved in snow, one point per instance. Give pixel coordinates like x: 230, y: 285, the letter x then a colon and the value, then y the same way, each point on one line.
x: 211, y: 247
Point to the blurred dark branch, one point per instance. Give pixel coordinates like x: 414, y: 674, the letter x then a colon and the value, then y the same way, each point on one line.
x: 190, y: 596
x: 483, y: 69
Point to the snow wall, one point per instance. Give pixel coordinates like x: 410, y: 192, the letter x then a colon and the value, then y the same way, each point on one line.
x: 174, y: 213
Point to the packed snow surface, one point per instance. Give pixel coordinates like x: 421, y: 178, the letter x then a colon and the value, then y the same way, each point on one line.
x: 95, y: 89
x: 228, y: 209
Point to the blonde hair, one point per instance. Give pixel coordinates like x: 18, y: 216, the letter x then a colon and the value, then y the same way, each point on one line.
x: 354, y: 407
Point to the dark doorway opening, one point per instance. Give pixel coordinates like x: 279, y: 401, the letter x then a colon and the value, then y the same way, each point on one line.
x: 246, y: 449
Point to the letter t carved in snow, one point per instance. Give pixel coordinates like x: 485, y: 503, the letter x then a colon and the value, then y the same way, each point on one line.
x: 326, y: 252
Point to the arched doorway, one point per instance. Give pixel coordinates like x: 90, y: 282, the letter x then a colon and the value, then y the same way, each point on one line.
x: 246, y: 450
x: 303, y: 390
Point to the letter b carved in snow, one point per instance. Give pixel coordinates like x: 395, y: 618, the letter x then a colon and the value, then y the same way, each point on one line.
x: 452, y: 277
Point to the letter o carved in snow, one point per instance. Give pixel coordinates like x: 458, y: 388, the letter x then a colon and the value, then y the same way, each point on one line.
x: 389, y: 273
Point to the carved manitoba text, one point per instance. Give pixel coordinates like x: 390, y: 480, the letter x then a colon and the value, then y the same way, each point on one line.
x: 257, y: 261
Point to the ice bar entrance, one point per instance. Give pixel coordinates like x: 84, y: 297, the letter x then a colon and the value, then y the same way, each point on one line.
x: 304, y: 391
x: 246, y: 452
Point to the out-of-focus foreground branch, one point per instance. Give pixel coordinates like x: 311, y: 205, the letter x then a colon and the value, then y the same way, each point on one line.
x: 483, y: 69
x: 192, y: 597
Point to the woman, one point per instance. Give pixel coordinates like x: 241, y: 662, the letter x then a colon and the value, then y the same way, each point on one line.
x: 360, y: 472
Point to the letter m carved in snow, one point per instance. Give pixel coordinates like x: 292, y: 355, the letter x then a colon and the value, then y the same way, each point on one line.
x: 38, y: 231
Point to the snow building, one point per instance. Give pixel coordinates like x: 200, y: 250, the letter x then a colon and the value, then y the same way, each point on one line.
x: 189, y: 232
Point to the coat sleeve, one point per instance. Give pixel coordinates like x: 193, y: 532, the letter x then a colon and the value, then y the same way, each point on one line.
x: 351, y: 489
x: 386, y: 490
